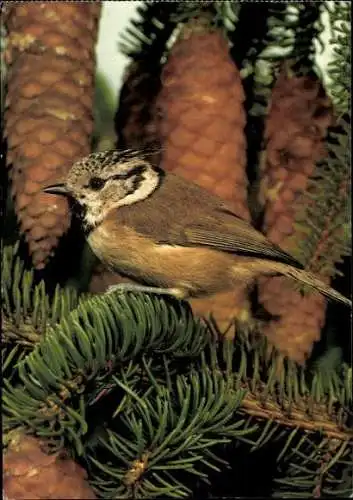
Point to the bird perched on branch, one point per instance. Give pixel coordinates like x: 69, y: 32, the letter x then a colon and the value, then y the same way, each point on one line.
x: 168, y: 234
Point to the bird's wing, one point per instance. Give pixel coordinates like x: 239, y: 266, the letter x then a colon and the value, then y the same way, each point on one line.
x: 180, y: 213
x: 232, y: 234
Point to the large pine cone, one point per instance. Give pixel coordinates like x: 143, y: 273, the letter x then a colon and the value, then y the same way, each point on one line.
x: 48, y: 116
x: 29, y: 473
x: 297, y: 123
x: 201, y: 120
x: 134, y: 119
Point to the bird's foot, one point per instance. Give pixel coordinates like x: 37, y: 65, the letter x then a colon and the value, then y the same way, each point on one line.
x: 134, y: 287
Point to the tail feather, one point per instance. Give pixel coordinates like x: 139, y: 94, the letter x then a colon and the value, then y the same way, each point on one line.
x: 312, y: 281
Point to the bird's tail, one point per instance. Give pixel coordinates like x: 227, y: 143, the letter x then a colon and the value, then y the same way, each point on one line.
x: 309, y: 279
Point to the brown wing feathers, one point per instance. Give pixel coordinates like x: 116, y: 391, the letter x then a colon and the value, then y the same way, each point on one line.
x: 181, y: 213
x: 239, y: 243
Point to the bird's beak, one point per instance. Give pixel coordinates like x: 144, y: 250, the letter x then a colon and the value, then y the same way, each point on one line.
x: 59, y: 188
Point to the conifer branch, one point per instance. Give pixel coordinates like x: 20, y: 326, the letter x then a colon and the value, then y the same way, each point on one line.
x: 282, y: 392
x: 324, y: 220
x: 308, y: 29
x: 277, y: 45
x: 340, y: 67
x: 147, y: 36
x: 101, y: 332
x: 106, y: 381
x: 296, y: 416
x: 315, y: 468
x: 173, y: 430
x: 27, y: 310
x: 153, y: 32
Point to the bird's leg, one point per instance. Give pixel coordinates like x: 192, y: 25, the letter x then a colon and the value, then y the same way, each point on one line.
x: 135, y: 287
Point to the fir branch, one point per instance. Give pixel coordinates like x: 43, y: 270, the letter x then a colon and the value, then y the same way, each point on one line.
x: 148, y: 35
x: 277, y: 45
x: 324, y: 220
x: 153, y: 33
x: 296, y: 416
x: 27, y: 310
x: 228, y: 14
x: 283, y: 393
x: 277, y: 403
x: 107, y: 382
x: 93, y: 339
x: 340, y: 67
x: 314, y: 468
x: 309, y: 26
x: 284, y: 400
x: 335, y: 449
x: 171, y: 432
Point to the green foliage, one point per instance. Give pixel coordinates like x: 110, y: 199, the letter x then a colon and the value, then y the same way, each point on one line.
x: 308, y: 26
x: 148, y: 35
x: 276, y: 45
x: 172, y: 430
x: 98, y: 332
x: 318, y: 467
x: 27, y: 310
x: 325, y: 220
x: 146, y: 397
x: 340, y: 67
x: 151, y: 34
x: 290, y: 35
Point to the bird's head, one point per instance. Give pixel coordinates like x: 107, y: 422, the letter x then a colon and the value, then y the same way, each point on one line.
x: 101, y: 182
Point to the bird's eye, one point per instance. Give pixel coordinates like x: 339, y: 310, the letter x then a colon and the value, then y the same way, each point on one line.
x: 96, y: 183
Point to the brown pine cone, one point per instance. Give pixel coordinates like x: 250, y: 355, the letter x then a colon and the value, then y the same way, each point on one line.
x: 29, y: 473
x: 48, y: 115
x: 134, y: 119
x: 201, y: 119
x: 297, y: 123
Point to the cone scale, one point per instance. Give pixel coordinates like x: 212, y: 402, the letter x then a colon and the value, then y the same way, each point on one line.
x: 29, y: 472
x: 48, y: 110
x: 201, y: 120
x: 296, y: 126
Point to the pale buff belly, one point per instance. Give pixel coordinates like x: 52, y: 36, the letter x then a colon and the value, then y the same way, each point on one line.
x: 198, y: 271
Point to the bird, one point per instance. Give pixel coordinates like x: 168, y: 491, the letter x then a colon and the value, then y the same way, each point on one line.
x: 168, y: 234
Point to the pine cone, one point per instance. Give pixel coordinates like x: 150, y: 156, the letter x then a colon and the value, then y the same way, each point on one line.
x: 134, y: 124
x: 48, y: 116
x: 29, y: 473
x: 296, y: 126
x: 201, y: 123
